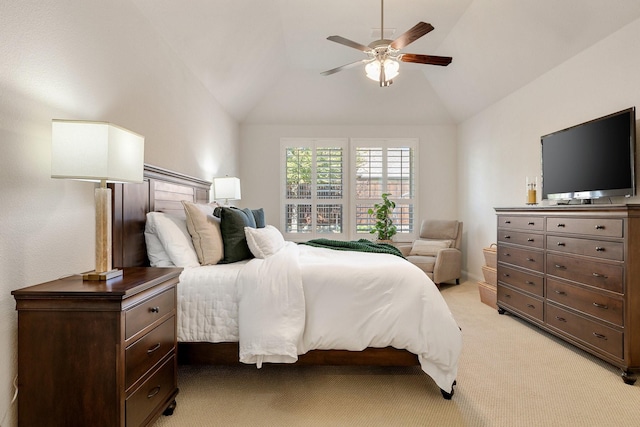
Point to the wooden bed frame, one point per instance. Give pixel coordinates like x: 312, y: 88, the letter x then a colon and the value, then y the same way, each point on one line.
x: 163, y: 191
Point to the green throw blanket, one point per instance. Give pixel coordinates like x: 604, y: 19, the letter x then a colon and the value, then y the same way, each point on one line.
x: 362, y: 245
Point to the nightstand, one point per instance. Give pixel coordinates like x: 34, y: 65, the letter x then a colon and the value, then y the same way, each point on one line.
x: 98, y: 353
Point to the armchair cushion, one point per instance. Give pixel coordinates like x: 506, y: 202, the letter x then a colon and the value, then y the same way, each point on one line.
x: 429, y: 247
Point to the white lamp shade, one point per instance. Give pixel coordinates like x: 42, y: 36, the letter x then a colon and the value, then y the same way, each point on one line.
x: 227, y: 188
x: 96, y: 151
x: 391, y: 69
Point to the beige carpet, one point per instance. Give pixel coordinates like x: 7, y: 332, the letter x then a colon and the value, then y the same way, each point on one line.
x: 510, y: 374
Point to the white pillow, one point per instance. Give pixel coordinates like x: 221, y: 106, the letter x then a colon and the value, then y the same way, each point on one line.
x: 264, y: 242
x: 429, y: 247
x: 158, y: 257
x: 175, y: 238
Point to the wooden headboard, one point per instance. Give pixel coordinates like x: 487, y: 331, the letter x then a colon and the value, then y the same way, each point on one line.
x: 161, y: 191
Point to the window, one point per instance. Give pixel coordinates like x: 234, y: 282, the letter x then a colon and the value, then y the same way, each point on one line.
x: 318, y: 200
x: 314, y: 188
x: 384, y: 166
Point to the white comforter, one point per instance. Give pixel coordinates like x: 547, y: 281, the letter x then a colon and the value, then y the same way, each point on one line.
x: 306, y: 298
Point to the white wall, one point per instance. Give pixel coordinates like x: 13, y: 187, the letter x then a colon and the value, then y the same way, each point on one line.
x: 86, y: 60
x: 500, y: 146
x: 260, y: 165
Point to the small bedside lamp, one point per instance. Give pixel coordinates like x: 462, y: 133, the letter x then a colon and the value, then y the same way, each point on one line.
x: 99, y: 152
x: 227, y: 188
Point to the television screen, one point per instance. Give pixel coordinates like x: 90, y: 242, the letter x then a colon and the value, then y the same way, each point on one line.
x: 590, y: 160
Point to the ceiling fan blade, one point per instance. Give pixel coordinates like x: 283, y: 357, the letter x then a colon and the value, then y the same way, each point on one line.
x: 343, y: 67
x: 425, y: 59
x: 349, y: 43
x: 419, y: 30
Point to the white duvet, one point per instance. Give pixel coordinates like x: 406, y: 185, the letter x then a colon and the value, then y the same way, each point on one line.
x: 305, y: 298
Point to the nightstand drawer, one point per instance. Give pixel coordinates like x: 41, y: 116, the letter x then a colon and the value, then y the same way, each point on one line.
x: 148, y: 350
x: 152, y: 393
x: 149, y: 311
x: 602, y: 337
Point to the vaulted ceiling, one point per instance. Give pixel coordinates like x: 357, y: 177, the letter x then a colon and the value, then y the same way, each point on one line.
x: 262, y: 59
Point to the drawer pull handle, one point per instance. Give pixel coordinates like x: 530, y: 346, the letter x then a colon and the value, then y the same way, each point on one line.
x: 506, y: 254
x: 561, y: 244
x: 603, y: 306
x: 154, y: 309
x: 531, y: 259
x: 562, y: 267
x: 531, y: 306
x: 507, y: 237
x: 599, y: 227
x: 560, y: 292
x: 602, y: 276
x: 154, y: 348
x: 560, y: 225
x: 599, y: 249
x: 529, y: 282
x: 506, y: 275
x: 507, y: 295
x: 561, y: 319
x: 153, y: 392
x: 531, y: 223
x: 530, y: 239
x: 507, y: 222
x: 600, y: 336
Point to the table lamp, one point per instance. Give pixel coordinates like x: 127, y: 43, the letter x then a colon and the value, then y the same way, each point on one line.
x: 99, y: 152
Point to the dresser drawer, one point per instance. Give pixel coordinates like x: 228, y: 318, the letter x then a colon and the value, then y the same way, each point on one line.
x: 520, y: 302
x: 597, y: 274
x: 593, y: 333
x: 595, y: 248
x: 521, y: 238
x: 531, y: 259
x: 152, y: 393
x: 528, y: 282
x: 149, y: 311
x: 588, y: 226
x: 148, y: 350
x: 590, y: 302
x: 521, y: 222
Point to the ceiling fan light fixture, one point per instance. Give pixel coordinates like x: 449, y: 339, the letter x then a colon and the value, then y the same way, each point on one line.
x: 391, y: 69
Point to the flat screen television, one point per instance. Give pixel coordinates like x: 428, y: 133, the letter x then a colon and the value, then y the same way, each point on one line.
x: 591, y: 160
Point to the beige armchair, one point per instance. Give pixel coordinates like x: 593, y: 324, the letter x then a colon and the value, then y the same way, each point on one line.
x: 437, y: 250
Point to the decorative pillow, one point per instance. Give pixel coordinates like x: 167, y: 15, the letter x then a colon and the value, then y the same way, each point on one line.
x: 232, y: 224
x: 429, y: 247
x: 174, y: 237
x: 264, y: 242
x: 258, y: 215
x: 205, y: 232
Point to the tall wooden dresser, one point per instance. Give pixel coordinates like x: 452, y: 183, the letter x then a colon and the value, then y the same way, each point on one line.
x: 98, y: 353
x: 574, y: 271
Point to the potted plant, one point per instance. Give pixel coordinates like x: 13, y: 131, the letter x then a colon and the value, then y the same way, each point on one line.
x: 384, y: 223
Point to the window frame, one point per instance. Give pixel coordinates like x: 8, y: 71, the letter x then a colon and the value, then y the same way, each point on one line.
x: 314, y: 144
x: 385, y: 144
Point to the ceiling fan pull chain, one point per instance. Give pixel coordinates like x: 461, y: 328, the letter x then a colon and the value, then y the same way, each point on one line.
x: 381, y: 19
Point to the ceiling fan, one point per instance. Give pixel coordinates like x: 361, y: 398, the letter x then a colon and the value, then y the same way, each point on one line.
x: 383, y: 56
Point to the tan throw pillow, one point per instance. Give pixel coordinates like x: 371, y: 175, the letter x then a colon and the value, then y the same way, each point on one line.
x: 429, y: 247
x: 205, y: 234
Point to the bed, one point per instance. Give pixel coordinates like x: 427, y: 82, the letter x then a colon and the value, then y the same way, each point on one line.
x: 164, y: 191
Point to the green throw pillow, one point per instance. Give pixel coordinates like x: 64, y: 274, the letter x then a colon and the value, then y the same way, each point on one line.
x: 232, y: 224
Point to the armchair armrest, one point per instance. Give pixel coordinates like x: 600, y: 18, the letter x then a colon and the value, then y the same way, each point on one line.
x: 405, y: 248
x: 448, y: 265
